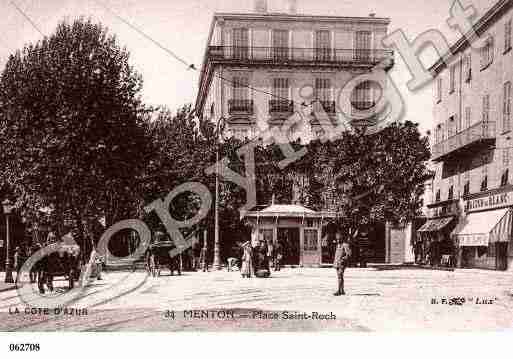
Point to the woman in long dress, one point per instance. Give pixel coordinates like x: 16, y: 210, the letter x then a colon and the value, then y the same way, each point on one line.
x: 247, y: 261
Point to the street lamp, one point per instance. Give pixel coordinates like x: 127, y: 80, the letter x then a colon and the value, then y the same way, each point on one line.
x: 217, y: 246
x: 8, y: 207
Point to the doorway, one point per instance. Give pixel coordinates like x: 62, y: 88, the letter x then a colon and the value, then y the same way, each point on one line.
x: 289, y: 240
x: 501, y: 250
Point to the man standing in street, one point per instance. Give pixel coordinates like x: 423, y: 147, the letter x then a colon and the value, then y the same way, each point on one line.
x: 342, y: 254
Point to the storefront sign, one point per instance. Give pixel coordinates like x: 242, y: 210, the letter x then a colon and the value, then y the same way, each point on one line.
x: 494, y: 201
x: 474, y: 240
x: 450, y: 209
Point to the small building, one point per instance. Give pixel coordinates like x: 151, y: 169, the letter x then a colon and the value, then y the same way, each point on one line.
x: 302, y: 232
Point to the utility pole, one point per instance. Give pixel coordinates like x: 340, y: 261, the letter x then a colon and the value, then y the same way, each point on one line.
x: 217, y: 245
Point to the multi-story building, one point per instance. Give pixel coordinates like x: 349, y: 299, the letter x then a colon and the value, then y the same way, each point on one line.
x: 472, y: 146
x: 260, y: 68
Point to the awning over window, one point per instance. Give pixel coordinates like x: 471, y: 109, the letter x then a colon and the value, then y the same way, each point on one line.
x: 435, y: 225
x: 479, y: 229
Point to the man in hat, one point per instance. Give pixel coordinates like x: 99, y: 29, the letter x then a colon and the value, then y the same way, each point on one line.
x: 342, y: 254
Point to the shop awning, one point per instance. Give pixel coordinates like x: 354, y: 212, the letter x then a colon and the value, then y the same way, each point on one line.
x: 434, y: 225
x: 482, y: 228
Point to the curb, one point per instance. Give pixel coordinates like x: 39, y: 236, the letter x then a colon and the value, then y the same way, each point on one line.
x: 7, y: 289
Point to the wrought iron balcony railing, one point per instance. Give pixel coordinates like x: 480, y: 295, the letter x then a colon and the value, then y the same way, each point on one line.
x: 301, y: 55
x: 474, y: 135
x: 281, y: 106
x: 363, y: 105
x: 328, y: 106
x: 240, y: 106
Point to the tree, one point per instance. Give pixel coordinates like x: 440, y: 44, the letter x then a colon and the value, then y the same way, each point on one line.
x: 73, y: 130
x: 377, y: 178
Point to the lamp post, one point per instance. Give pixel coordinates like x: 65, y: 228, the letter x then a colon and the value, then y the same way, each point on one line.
x: 8, y: 207
x: 217, y: 246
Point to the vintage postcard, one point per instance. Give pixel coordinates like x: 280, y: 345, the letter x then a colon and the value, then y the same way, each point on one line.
x: 257, y: 165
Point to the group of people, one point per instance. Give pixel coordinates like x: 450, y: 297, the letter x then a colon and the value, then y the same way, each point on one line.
x: 258, y: 261
x: 264, y: 255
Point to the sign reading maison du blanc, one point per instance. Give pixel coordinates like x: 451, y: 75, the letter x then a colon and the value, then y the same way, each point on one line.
x: 493, y: 201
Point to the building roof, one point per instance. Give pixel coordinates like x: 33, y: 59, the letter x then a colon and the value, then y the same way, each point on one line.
x: 289, y: 210
x: 278, y: 16
x: 487, y: 20
x: 286, y: 208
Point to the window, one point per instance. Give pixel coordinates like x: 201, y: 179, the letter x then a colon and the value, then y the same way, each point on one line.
x: 439, y: 90
x: 451, y: 127
x: 323, y: 89
x: 486, y: 108
x: 451, y: 193
x: 487, y: 53
x: 468, y: 68
x: 452, y: 78
x: 507, y: 36
x: 466, y: 188
x: 240, y: 43
x: 240, y: 88
x: 437, y: 197
x: 311, y: 242
x: 281, y: 88
x: 506, y: 108
x: 323, y: 45
x: 468, y: 117
x: 484, y: 184
x: 505, y: 178
x: 280, y: 44
x: 362, y: 45
x: 362, y: 96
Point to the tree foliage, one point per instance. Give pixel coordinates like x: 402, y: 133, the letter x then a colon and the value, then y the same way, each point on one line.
x: 73, y: 130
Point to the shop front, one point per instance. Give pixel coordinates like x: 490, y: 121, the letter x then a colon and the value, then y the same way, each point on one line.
x: 483, y: 233
x: 433, y: 244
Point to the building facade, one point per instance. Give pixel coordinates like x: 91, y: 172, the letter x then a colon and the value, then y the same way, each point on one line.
x: 472, y: 148
x: 261, y: 68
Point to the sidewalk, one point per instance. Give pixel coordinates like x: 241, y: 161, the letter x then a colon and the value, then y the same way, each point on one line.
x: 5, y: 286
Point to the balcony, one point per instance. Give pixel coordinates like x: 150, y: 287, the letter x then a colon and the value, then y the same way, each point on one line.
x: 305, y: 56
x: 328, y: 106
x: 482, y: 133
x: 240, y: 107
x: 282, y: 107
x: 362, y: 105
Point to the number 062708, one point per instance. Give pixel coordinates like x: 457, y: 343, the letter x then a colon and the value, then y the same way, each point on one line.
x: 25, y: 347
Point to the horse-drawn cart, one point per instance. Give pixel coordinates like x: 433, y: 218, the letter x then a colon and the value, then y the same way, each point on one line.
x: 159, y: 256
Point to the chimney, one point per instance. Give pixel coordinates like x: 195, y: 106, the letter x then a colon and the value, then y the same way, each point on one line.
x: 293, y: 7
x: 261, y: 6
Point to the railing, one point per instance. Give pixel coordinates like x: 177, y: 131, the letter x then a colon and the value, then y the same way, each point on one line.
x: 478, y: 132
x: 328, y: 106
x: 240, y: 106
x: 289, y: 54
x: 363, y: 105
x: 281, y: 106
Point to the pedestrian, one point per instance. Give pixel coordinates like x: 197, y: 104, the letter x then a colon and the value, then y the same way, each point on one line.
x: 277, y: 256
x: 203, y: 259
x: 19, y: 260
x: 270, y: 254
x: 247, y: 270
x: 342, y: 255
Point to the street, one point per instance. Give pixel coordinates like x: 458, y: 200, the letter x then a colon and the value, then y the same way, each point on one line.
x: 385, y: 300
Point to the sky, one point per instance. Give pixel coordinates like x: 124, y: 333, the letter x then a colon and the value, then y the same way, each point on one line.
x: 182, y: 26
